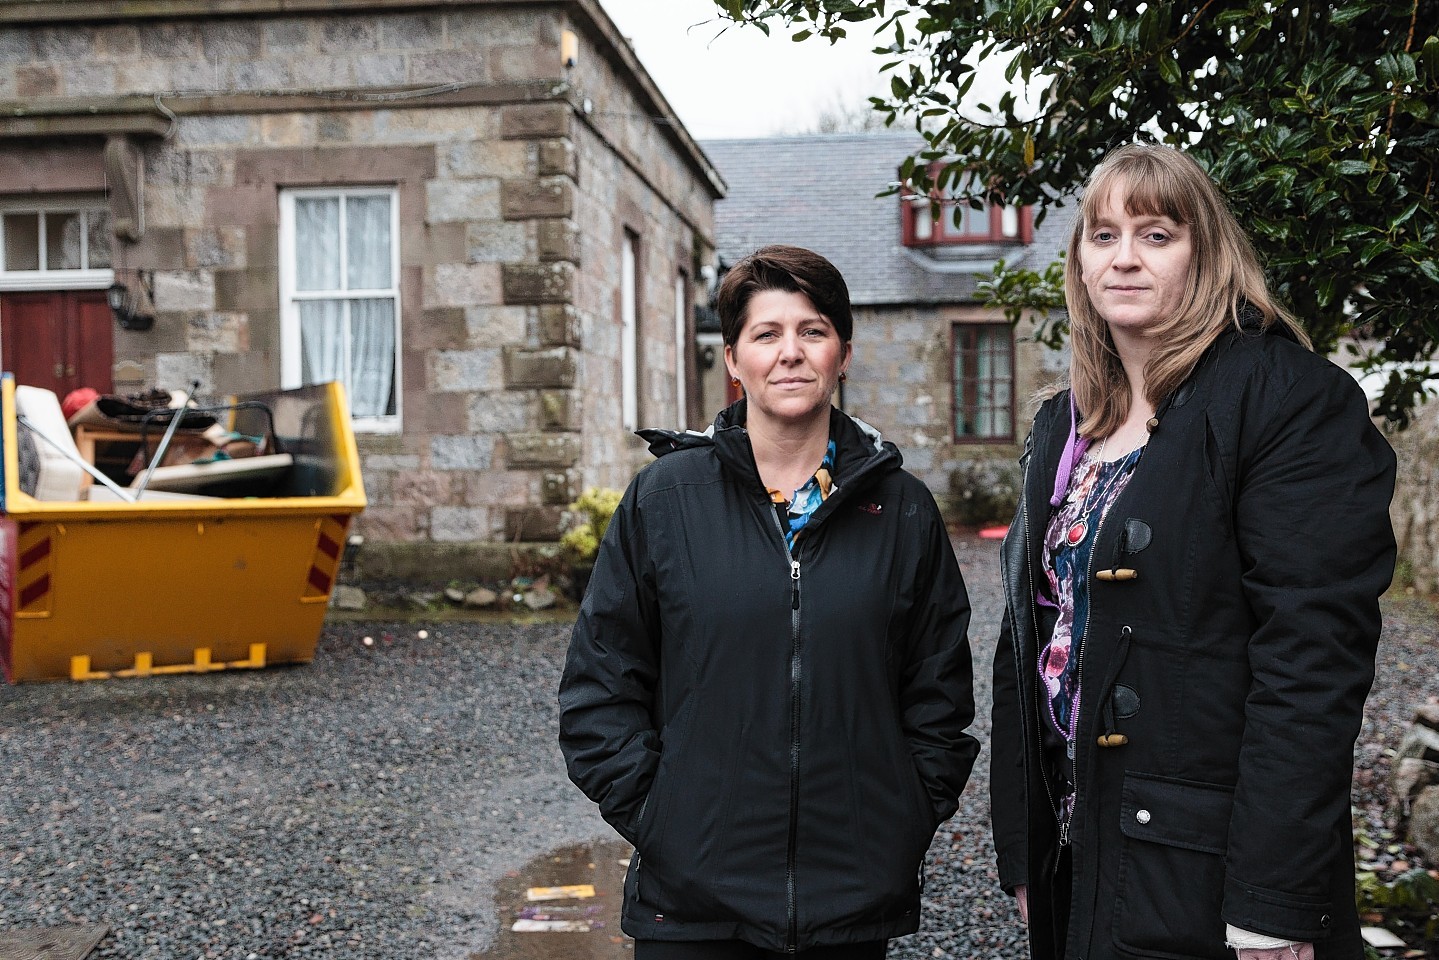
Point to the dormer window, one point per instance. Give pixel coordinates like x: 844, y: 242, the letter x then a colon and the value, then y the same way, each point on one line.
x: 959, y: 223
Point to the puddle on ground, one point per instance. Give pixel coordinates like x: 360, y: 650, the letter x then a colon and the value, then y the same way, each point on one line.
x: 601, y: 865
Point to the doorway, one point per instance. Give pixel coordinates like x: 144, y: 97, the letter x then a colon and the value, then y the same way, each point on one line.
x: 58, y: 340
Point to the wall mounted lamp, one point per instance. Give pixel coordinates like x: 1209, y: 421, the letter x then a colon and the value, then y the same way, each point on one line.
x: 128, y: 305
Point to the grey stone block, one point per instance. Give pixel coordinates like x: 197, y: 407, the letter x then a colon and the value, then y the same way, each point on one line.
x: 559, y: 488
x: 535, y: 121
x: 231, y: 40
x: 559, y: 240
x: 544, y: 451
x: 559, y: 325
x: 558, y: 158
x: 458, y: 524
x: 447, y: 200
x: 496, y: 241
x: 538, y: 283
x: 411, y: 31
x: 559, y: 410
x: 348, y: 34
x: 550, y: 367
x: 496, y: 326
x: 287, y: 36
x: 478, y: 369
x: 467, y: 452
x: 529, y: 199
x: 504, y: 411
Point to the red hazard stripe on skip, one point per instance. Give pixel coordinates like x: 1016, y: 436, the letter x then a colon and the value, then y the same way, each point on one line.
x: 328, y: 547
x: 324, y: 564
x: 319, y: 579
x: 35, y: 554
x: 35, y: 591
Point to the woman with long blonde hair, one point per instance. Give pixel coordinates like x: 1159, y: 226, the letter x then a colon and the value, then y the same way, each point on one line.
x: 1192, y: 584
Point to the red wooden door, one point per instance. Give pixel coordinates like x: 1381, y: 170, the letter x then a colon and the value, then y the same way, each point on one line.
x: 58, y: 340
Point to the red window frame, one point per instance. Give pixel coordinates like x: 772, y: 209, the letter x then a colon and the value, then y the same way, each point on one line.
x: 967, y: 389
x: 911, y: 210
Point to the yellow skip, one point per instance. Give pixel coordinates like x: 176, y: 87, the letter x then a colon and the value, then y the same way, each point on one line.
x: 145, y: 666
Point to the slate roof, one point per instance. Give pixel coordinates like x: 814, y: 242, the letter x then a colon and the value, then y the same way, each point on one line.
x: 818, y: 191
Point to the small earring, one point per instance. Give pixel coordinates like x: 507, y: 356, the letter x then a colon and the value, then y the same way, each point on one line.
x: 843, y: 377
x: 734, y: 381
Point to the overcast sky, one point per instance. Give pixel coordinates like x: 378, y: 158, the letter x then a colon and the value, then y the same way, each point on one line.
x: 738, y: 82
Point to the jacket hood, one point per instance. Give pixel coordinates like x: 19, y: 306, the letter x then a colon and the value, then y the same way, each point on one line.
x: 860, y: 450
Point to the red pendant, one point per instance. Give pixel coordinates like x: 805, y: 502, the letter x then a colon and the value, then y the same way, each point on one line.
x: 1076, y: 532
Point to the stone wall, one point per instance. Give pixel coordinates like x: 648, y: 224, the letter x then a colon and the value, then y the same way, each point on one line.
x: 516, y: 179
x: 1415, y: 510
x: 901, y: 382
x: 669, y: 211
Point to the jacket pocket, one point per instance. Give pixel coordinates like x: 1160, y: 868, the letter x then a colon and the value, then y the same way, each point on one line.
x: 1171, y: 868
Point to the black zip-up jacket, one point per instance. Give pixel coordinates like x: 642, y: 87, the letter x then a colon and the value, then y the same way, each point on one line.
x: 778, y: 733
x: 1223, y: 674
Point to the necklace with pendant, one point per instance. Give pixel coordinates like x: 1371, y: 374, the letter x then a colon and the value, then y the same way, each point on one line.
x: 1077, y: 531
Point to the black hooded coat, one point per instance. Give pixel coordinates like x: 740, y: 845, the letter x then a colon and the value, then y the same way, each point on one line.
x: 1223, y: 675
x: 778, y: 733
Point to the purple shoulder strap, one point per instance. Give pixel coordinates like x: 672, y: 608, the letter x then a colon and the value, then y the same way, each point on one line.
x: 1074, y: 448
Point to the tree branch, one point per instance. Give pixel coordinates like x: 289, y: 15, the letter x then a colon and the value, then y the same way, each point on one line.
x: 1408, y: 43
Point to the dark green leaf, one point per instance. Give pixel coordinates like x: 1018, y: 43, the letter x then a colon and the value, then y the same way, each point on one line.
x: 1169, y: 69
x: 1351, y: 168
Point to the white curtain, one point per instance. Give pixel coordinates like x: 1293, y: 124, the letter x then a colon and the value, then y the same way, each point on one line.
x: 317, y: 243
x: 372, y: 357
x: 347, y: 338
x: 367, y: 246
x: 322, y: 351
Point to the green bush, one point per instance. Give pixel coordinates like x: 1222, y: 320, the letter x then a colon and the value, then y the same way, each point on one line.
x: 590, y: 514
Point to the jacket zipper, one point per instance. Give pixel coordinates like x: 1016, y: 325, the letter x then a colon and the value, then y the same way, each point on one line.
x: 792, y: 857
x: 792, y: 849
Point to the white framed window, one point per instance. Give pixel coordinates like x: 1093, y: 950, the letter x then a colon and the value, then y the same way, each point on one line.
x: 681, y: 352
x: 60, y: 243
x: 340, y: 297
x: 629, y: 332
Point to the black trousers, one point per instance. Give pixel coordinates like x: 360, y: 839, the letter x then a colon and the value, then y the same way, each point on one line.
x: 739, y: 950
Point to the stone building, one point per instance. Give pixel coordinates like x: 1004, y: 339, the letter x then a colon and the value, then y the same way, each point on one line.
x: 945, y: 377
x: 480, y: 215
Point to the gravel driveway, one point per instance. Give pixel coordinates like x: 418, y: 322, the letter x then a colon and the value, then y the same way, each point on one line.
x: 375, y: 803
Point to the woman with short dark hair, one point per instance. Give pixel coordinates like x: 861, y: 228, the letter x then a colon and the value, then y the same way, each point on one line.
x: 1193, y: 581
x: 769, y: 681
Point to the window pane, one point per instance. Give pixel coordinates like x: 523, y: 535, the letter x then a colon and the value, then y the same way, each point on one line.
x: 22, y: 241
x: 367, y: 242
x: 953, y: 220
x: 983, y: 382
x: 322, y: 342
x: 976, y: 222
x: 317, y: 243
x: 372, y: 358
x: 1009, y: 221
x: 923, y: 222
x: 97, y: 224
x: 62, y: 241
